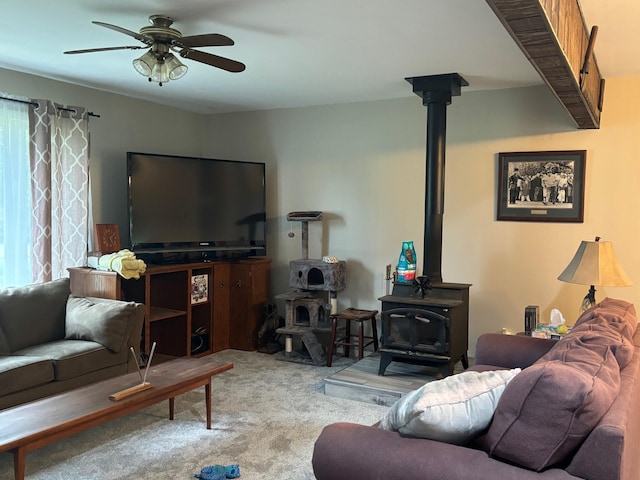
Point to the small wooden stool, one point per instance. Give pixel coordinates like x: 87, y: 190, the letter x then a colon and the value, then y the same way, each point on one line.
x: 359, y: 316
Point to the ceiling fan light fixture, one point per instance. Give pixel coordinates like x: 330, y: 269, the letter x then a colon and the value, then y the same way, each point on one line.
x: 176, y: 68
x: 144, y: 65
x: 160, y: 73
x: 158, y: 64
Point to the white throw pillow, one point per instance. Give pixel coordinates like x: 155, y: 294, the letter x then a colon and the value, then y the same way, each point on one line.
x: 454, y: 410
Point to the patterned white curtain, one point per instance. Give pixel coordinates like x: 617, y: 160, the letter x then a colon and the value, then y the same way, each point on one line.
x: 59, y: 152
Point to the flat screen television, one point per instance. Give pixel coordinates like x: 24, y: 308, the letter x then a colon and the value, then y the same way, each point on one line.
x: 194, y: 209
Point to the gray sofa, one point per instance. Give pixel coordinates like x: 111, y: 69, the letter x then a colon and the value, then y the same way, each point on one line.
x: 571, y: 413
x: 51, y: 341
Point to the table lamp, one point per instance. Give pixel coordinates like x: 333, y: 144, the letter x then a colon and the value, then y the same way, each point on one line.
x: 595, y: 264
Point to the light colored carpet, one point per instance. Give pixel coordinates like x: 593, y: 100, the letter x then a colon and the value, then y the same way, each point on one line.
x: 267, y: 414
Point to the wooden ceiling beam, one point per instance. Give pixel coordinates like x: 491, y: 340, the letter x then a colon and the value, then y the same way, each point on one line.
x: 553, y: 36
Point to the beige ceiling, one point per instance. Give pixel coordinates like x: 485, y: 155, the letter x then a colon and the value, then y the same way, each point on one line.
x: 297, y: 52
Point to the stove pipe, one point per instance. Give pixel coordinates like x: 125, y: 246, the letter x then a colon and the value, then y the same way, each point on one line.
x: 436, y: 92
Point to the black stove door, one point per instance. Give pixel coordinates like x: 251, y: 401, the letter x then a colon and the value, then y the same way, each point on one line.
x: 415, y: 330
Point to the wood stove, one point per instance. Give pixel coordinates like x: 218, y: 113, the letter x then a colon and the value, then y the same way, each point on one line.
x: 428, y: 321
x: 432, y: 329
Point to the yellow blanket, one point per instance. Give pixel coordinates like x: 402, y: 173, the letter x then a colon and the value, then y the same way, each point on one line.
x: 124, y: 262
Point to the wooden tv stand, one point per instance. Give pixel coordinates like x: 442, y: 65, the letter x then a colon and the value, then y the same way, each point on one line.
x: 227, y: 316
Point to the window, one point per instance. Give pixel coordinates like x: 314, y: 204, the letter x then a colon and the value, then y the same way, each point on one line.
x: 15, y: 195
x: 44, y: 190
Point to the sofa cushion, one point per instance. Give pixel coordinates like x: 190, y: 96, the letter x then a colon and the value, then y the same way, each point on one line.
x: 587, y: 334
x: 610, y: 450
x: 19, y: 373
x: 618, y: 314
x: 552, y: 406
x: 4, y: 344
x: 33, y: 314
x: 73, y: 358
x: 548, y: 409
x: 102, y: 322
x: 454, y: 410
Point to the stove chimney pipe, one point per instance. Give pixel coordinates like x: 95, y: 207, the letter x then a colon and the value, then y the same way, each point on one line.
x: 436, y: 92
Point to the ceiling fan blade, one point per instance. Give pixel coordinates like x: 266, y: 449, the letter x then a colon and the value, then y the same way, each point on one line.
x: 213, y: 60
x: 206, y: 40
x: 137, y: 36
x: 106, y: 49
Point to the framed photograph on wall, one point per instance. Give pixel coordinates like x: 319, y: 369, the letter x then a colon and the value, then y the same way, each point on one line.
x: 541, y: 186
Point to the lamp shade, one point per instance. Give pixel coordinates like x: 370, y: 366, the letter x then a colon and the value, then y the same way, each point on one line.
x: 160, y: 73
x: 595, y: 264
x: 144, y: 64
x: 176, y: 68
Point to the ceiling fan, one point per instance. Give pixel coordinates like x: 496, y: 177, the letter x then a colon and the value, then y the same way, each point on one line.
x: 158, y: 64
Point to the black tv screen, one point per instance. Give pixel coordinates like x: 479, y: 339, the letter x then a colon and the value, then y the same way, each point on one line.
x: 189, y: 204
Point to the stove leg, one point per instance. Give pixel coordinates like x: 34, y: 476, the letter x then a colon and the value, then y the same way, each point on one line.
x: 465, y: 361
x: 385, y: 360
x: 446, y: 370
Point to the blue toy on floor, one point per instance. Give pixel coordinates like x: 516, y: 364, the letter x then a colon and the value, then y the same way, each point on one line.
x: 219, y: 472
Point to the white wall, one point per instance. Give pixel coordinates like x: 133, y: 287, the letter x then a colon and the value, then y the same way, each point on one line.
x: 363, y: 166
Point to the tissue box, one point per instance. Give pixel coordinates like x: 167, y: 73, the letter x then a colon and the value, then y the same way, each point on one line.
x: 548, y: 331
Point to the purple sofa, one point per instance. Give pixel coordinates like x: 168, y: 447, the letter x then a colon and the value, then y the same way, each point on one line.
x: 573, y: 412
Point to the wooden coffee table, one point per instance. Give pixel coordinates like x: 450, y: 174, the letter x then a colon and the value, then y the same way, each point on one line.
x: 32, y: 425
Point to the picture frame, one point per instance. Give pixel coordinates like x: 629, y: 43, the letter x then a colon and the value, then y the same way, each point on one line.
x: 199, y: 288
x: 541, y: 186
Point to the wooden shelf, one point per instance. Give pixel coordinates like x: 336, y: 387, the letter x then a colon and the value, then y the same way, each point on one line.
x: 229, y: 318
x: 164, y: 313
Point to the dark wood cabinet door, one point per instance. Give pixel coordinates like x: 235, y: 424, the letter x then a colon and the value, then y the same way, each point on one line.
x: 221, y: 306
x: 249, y: 292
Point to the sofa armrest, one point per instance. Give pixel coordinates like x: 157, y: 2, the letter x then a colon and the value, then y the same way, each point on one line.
x: 134, y: 337
x: 347, y: 451
x: 115, y: 324
x: 133, y: 332
x: 510, y: 351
